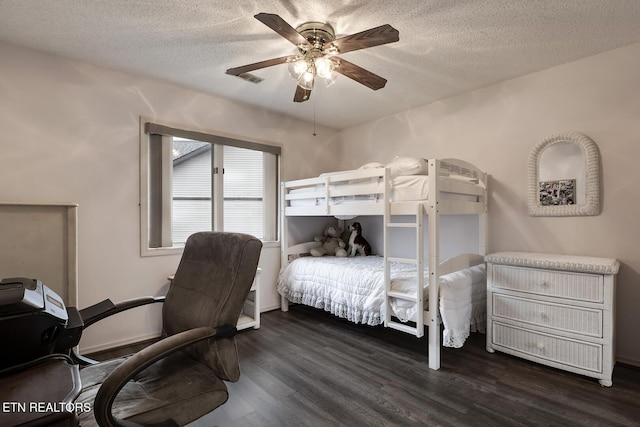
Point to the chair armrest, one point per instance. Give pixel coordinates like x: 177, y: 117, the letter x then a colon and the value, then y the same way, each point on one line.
x: 106, y: 308
x: 139, y: 361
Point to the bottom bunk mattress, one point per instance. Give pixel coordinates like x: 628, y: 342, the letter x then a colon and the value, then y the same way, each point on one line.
x: 353, y: 288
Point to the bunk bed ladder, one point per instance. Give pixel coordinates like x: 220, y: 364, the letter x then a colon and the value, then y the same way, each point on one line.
x: 415, y: 328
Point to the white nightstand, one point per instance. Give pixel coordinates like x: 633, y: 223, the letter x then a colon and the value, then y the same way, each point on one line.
x: 250, y: 316
x: 556, y: 310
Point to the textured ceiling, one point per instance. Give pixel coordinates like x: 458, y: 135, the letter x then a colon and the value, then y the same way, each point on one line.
x: 445, y: 47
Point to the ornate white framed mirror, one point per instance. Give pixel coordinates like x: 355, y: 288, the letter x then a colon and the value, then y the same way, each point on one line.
x: 564, y: 176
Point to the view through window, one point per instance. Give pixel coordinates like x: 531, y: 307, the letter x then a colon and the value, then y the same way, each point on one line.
x: 192, y: 202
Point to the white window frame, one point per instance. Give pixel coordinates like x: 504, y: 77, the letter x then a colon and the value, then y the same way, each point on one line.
x: 272, y: 181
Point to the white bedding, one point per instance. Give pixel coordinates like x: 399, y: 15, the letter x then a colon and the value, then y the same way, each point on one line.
x: 353, y: 288
x: 404, y: 188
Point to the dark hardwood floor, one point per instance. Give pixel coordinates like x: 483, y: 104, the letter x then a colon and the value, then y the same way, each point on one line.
x: 308, y: 368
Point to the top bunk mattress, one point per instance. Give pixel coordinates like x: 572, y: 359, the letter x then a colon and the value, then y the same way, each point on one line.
x: 404, y: 188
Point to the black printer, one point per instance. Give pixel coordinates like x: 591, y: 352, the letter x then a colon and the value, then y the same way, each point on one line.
x: 34, y: 322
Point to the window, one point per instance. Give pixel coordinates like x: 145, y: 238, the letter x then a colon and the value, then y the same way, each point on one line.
x: 192, y: 181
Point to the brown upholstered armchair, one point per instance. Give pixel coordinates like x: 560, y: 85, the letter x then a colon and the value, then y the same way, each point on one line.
x: 179, y: 378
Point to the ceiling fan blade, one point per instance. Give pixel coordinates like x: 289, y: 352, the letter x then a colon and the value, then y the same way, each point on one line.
x: 301, y: 95
x: 359, y: 74
x: 373, y: 37
x: 280, y: 26
x: 257, y: 65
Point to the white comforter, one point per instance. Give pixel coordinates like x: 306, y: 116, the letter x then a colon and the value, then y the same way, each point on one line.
x: 353, y: 288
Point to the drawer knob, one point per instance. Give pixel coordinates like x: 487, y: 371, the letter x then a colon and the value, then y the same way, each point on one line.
x: 540, y: 346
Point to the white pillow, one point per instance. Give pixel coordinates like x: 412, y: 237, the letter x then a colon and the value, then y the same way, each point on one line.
x: 372, y: 165
x: 408, y: 166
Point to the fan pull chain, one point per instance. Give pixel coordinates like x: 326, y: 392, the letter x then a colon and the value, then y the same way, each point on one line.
x: 314, y: 116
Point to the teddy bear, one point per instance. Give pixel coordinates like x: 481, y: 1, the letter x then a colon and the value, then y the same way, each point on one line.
x: 332, y: 243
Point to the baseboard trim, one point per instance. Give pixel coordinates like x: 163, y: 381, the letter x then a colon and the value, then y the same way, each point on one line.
x: 629, y: 362
x: 120, y: 343
x: 269, y: 308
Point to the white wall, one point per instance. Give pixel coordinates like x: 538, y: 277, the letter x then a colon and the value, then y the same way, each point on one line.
x: 70, y: 133
x: 496, y: 128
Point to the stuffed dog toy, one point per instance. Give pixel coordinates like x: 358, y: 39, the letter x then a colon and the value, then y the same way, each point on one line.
x: 357, y: 243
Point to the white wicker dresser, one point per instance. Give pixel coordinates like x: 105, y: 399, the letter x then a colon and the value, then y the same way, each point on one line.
x: 557, y: 310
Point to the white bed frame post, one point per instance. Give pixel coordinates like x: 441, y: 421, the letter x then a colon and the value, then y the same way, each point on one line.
x: 284, y: 241
x: 483, y: 226
x: 387, y: 246
x: 434, y: 260
x: 420, y: 268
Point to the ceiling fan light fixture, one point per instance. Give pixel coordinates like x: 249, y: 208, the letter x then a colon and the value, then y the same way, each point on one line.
x: 331, y: 79
x: 324, y: 67
x: 307, y: 78
x: 297, y: 66
x: 304, y: 69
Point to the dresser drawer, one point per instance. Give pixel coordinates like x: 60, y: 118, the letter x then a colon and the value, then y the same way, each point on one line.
x: 561, y: 284
x: 581, y: 320
x: 577, y: 354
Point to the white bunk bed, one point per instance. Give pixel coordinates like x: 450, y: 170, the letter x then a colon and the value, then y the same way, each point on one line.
x: 439, y: 187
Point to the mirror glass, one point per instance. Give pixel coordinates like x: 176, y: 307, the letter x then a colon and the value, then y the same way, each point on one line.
x: 564, y: 176
x: 561, y: 175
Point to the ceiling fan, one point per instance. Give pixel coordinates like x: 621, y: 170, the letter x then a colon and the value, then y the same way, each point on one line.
x: 318, y: 48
